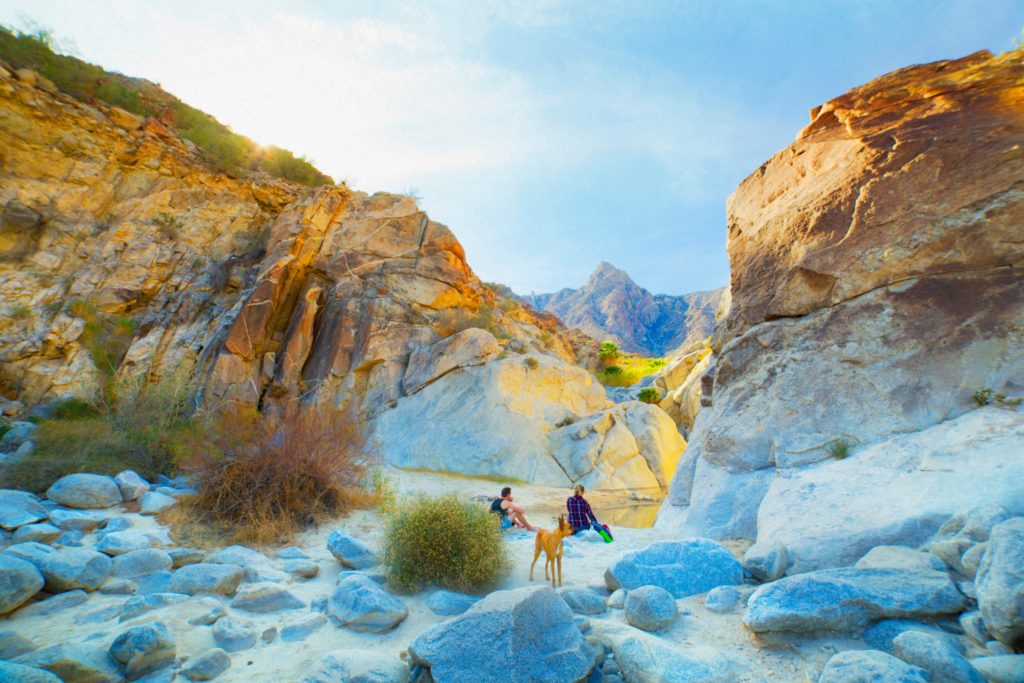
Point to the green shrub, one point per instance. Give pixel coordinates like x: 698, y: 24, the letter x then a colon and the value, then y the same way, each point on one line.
x: 840, y: 448
x: 983, y: 397
x: 73, y: 409
x: 648, y: 395
x: 107, y: 339
x: 20, y: 312
x: 446, y: 542
x: 5, y: 427
x: 608, y: 352
x: 613, y: 370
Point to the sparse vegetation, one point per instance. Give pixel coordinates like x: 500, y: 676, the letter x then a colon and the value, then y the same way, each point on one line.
x: 20, y: 312
x: 447, y: 542
x: 265, y: 477
x: 223, y: 149
x: 840, y: 448
x: 609, y: 352
x: 985, y: 396
x: 167, y: 226
x: 143, y: 430
x: 106, y: 337
x: 531, y: 362
x: 565, y: 421
x: 648, y: 395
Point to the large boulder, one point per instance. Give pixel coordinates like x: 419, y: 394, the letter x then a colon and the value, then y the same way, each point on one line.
x: 1001, y: 669
x: 75, y: 662
x: 19, y: 581
x: 360, y: 666
x: 143, y: 562
x: 131, y: 484
x: 18, y: 508
x: 632, y: 445
x: 504, y: 411
x: 205, y: 577
x: 361, y: 604
x: 265, y: 597
x: 645, y: 657
x: 847, y: 600
x: 20, y: 673
x: 350, y: 551
x: 682, y: 568
x: 1000, y: 583
x: 650, y: 608
x: 898, y: 492
x: 74, y: 568
x: 20, y: 431
x: 937, y: 655
x: 525, y: 634
x: 870, y: 666
x: 144, y: 649
x: 85, y: 491
x: 891, y: 219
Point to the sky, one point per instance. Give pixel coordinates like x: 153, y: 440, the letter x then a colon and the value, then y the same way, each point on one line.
x: 549, y: 136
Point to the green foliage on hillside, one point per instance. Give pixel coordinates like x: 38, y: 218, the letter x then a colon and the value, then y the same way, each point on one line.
x: 628, y: 370
x: 224, y: 150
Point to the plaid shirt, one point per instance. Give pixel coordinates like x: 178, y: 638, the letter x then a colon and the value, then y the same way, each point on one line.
x: 580, y: 513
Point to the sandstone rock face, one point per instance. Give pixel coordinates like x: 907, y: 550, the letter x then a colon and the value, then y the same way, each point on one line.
x: 875, y: 281
x: 505, y: 417
x: 611, y: 307
x: 265, y: 290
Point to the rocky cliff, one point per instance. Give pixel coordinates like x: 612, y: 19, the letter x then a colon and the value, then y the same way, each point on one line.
x: 611, y: 307
x: 876, y: 286
x: 123, y: 253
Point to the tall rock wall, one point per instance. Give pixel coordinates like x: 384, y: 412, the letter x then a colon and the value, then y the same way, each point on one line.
x: 876, y: 284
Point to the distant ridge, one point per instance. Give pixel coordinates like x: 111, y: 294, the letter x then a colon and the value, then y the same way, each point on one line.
x: 610, y: 306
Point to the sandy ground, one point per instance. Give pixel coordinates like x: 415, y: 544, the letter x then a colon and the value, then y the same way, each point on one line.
x: 96, y: 620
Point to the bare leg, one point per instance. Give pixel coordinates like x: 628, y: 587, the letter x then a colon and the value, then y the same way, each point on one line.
x: 519, y: 519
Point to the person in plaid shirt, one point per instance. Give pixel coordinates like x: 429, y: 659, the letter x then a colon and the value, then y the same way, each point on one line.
x: 580, y: 515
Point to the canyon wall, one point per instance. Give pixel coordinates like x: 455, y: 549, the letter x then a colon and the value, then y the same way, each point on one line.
x: 876, y: 286
x: 122, y: 254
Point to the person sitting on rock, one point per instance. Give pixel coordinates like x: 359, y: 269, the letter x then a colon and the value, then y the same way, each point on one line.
x: 581, y: 517
x: 510, y: 512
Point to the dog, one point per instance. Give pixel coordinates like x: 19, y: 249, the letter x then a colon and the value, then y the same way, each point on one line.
x: 551, y: 543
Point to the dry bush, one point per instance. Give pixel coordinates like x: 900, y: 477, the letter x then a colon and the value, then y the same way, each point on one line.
x: 446, y: 542
x: 268, y: 477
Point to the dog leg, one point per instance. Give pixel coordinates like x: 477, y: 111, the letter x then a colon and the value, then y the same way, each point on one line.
x: 559, y: 566
x: 536, y: 554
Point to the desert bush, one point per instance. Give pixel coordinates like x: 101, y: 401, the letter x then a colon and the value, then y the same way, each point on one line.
x: 167, y: 225
x: 840, y: 448
x: 268, y: 476
x: 446, y: 542
x: 982, y: 397
x: 648, y: 395
x: 613, y: 370
x: 565, y: 421
x: 531, y: 362
x: 608, y: 352
x: 5, y: 427
x: 106, y: 337
x: 142, y: 430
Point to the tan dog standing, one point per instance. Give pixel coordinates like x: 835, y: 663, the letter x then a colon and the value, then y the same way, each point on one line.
x: 551, y: 542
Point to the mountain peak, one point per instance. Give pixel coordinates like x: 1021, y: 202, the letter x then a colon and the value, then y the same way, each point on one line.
x: 605, y: 272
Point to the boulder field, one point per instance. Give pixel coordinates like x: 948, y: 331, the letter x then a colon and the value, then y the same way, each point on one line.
x: 875, y: 290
